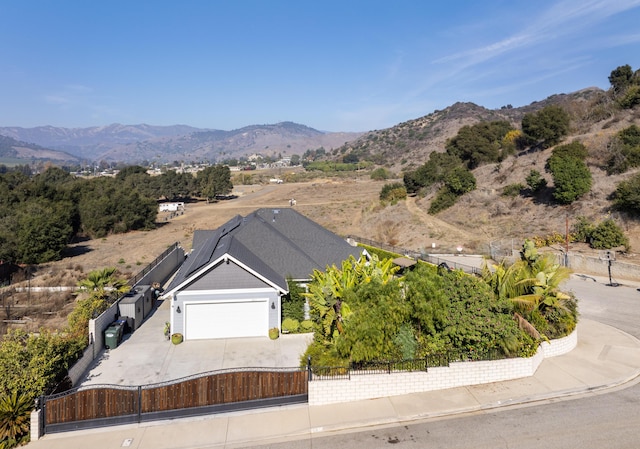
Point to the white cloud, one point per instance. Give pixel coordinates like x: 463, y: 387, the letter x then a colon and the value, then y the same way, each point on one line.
x: 72, y: 94
x: 563, y: 18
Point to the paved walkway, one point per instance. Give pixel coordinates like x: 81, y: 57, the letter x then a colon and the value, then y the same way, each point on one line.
x: 605, y: 357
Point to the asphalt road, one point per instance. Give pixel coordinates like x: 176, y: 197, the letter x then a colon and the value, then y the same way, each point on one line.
x: 606, y: 420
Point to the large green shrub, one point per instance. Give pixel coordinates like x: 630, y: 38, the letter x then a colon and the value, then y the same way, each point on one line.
x: 607, y: 234
x: 571, y: 176
x: 293, y: 302
x: 33, y: 364
x: 535, y: 181
x: 431, y: 172
x: 547, y: 127
x: 512, y: 190
x: 290, y: 325
x: 481, y: 143
x: 457, y: 182
x: 626, y: 197
x: 582, y: 230
x: 392, y: 193
x: 444, y: 199
x: 625, y: 85
x: 380, y: 174
x: 460, y: 181
x: 624, y: 150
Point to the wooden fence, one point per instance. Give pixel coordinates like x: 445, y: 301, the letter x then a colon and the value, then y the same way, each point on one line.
x: 104, y: 405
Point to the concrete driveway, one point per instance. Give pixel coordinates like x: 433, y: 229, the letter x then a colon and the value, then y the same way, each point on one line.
x: 147, y: 357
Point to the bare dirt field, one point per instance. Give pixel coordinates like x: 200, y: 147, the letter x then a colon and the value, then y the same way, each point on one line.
x: 344, y: 206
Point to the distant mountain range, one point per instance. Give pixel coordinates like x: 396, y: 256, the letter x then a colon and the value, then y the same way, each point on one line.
x: 401, y: 147
x: 138, y: 143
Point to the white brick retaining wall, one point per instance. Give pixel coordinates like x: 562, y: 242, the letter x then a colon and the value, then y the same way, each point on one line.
x: 457, y: 374
x: 560, y: 346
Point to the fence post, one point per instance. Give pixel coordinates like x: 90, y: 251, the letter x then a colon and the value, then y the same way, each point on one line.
x: 139, y: 404
x: 309, y: 368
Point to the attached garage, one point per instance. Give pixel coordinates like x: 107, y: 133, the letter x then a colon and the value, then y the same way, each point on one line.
x: 226, y: 319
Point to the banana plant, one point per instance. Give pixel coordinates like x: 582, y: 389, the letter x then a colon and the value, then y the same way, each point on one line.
x: 327, y: 290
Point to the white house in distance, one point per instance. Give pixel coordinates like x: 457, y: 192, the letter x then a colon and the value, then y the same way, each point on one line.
x: 170, y: 207
x: 232, y: 282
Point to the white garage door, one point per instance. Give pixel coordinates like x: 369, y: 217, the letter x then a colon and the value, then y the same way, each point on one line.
x: 226, y: 319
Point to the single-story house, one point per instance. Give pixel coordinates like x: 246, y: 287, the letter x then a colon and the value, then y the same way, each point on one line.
x: 232, y: 282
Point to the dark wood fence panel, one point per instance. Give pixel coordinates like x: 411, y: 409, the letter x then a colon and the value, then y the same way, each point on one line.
x: 223, y: 389
x: 101, y: 405
x: 95, y: 403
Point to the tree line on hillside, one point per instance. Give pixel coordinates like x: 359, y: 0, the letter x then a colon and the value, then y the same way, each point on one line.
x: 480, y: 144
x: 449, y: 173
x: 41, y: 214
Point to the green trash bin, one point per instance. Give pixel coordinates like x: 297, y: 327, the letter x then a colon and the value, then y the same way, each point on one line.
x: 113, y: 336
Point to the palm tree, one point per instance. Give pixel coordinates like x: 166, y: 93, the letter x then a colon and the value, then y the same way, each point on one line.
x: 104, y: 284
x: 531, y: 283
x: 15, y: 415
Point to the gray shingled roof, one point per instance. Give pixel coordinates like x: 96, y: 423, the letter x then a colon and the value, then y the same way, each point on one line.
x: 277, y: 243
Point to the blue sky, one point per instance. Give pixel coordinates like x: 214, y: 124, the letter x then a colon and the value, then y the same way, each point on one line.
x: 346, y: 65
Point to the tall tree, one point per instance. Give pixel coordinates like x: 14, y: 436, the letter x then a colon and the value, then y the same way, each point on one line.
x: 43, y: 230
x: 621, y: 78
x: 480, y: 143
x: 215, y: 180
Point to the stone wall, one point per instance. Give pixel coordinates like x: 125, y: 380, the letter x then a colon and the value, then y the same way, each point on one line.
x: 457, y: 374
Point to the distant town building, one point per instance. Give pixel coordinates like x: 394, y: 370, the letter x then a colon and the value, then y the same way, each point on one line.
x: 171, y: 207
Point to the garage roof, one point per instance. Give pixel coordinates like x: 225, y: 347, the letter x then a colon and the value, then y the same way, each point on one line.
x: 276, y: 243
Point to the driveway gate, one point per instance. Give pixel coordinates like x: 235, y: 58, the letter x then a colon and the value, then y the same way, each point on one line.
x: 219, y: 391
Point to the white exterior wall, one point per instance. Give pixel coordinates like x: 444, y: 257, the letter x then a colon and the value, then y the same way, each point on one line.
x: 170, y: 207
x: 457, y: 374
